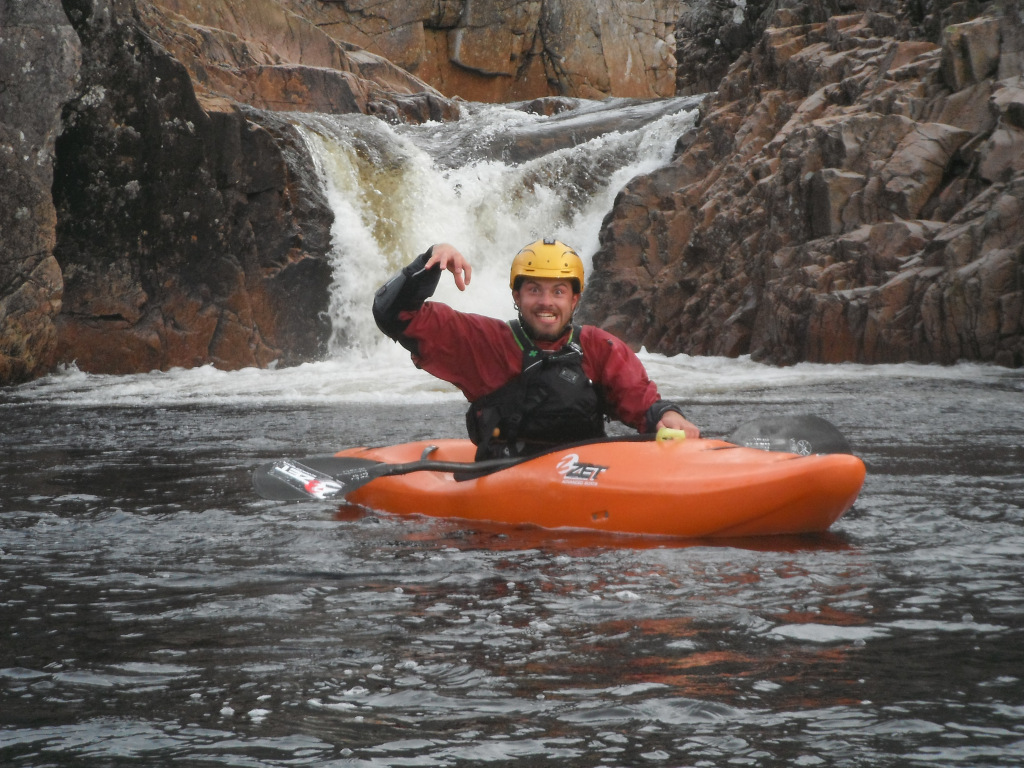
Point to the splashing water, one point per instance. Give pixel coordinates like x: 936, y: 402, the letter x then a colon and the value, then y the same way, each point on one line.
x: 395, y: 191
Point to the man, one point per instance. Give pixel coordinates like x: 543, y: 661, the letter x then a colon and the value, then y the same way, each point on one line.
x: 534, y: 382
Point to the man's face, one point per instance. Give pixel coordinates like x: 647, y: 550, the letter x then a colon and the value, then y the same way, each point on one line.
x: 547, y: 305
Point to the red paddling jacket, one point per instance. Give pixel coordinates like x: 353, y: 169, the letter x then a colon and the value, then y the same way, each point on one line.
x: 482, y: 355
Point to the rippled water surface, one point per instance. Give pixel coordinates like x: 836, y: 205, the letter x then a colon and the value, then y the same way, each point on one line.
x: 154, y: 612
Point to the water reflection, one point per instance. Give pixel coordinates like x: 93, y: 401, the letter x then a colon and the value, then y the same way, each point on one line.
x: 152, y: 611
x: 498, y: 536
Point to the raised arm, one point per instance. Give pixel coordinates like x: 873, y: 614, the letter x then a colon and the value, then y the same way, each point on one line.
x: 446, y: 256
x: 414, y: 284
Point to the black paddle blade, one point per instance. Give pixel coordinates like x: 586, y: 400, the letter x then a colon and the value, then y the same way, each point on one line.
x: 316, y: 477
x: 803, y: 435
x: 332, y: 477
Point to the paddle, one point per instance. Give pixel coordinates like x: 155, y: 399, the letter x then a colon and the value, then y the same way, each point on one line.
x: 803, y: 435
x: 332, y: 477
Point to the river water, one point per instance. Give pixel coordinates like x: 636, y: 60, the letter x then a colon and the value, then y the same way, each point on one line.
x: 153, y: 611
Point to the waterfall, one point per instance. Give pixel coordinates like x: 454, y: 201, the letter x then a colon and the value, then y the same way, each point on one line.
x: 489, y: 183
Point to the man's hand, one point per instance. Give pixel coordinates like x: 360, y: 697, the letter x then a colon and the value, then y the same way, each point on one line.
x: 675, y: 420
x: 448, y: 257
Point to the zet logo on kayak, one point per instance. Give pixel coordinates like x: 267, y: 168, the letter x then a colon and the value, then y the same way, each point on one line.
x: 578, y: 472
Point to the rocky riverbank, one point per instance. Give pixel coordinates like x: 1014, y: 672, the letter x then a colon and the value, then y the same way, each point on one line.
x: 853, y: 190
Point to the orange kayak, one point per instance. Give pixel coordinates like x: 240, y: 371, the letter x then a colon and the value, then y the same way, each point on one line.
x: 679, y: 488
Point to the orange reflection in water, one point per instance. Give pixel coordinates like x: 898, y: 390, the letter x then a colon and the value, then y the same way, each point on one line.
x: 689, y: 656
x: 686, y: 657
x: 477, y: 534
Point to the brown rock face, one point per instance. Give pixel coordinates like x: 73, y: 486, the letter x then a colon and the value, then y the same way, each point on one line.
x: 515, y: 50
x: 41, y: 52
x: 263, y: 54
x: 852, y: 193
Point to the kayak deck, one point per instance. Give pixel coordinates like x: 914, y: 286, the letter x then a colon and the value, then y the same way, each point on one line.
x: 689, y: 488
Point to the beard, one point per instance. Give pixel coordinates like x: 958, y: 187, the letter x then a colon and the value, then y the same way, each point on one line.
x: 536, y: 335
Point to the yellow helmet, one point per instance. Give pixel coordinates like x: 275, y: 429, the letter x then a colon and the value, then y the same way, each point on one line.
x: 547, y: 258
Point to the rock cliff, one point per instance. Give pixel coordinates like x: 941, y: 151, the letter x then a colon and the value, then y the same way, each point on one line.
x: 853, y: 192
x: 269, y: 55
x: 515, y: 50
x: 184, y: 235
x: 39, y: 61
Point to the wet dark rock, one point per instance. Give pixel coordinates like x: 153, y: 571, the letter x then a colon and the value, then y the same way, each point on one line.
x: 39, y: 61
x: 522, y: 143
x: 184, y: 234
